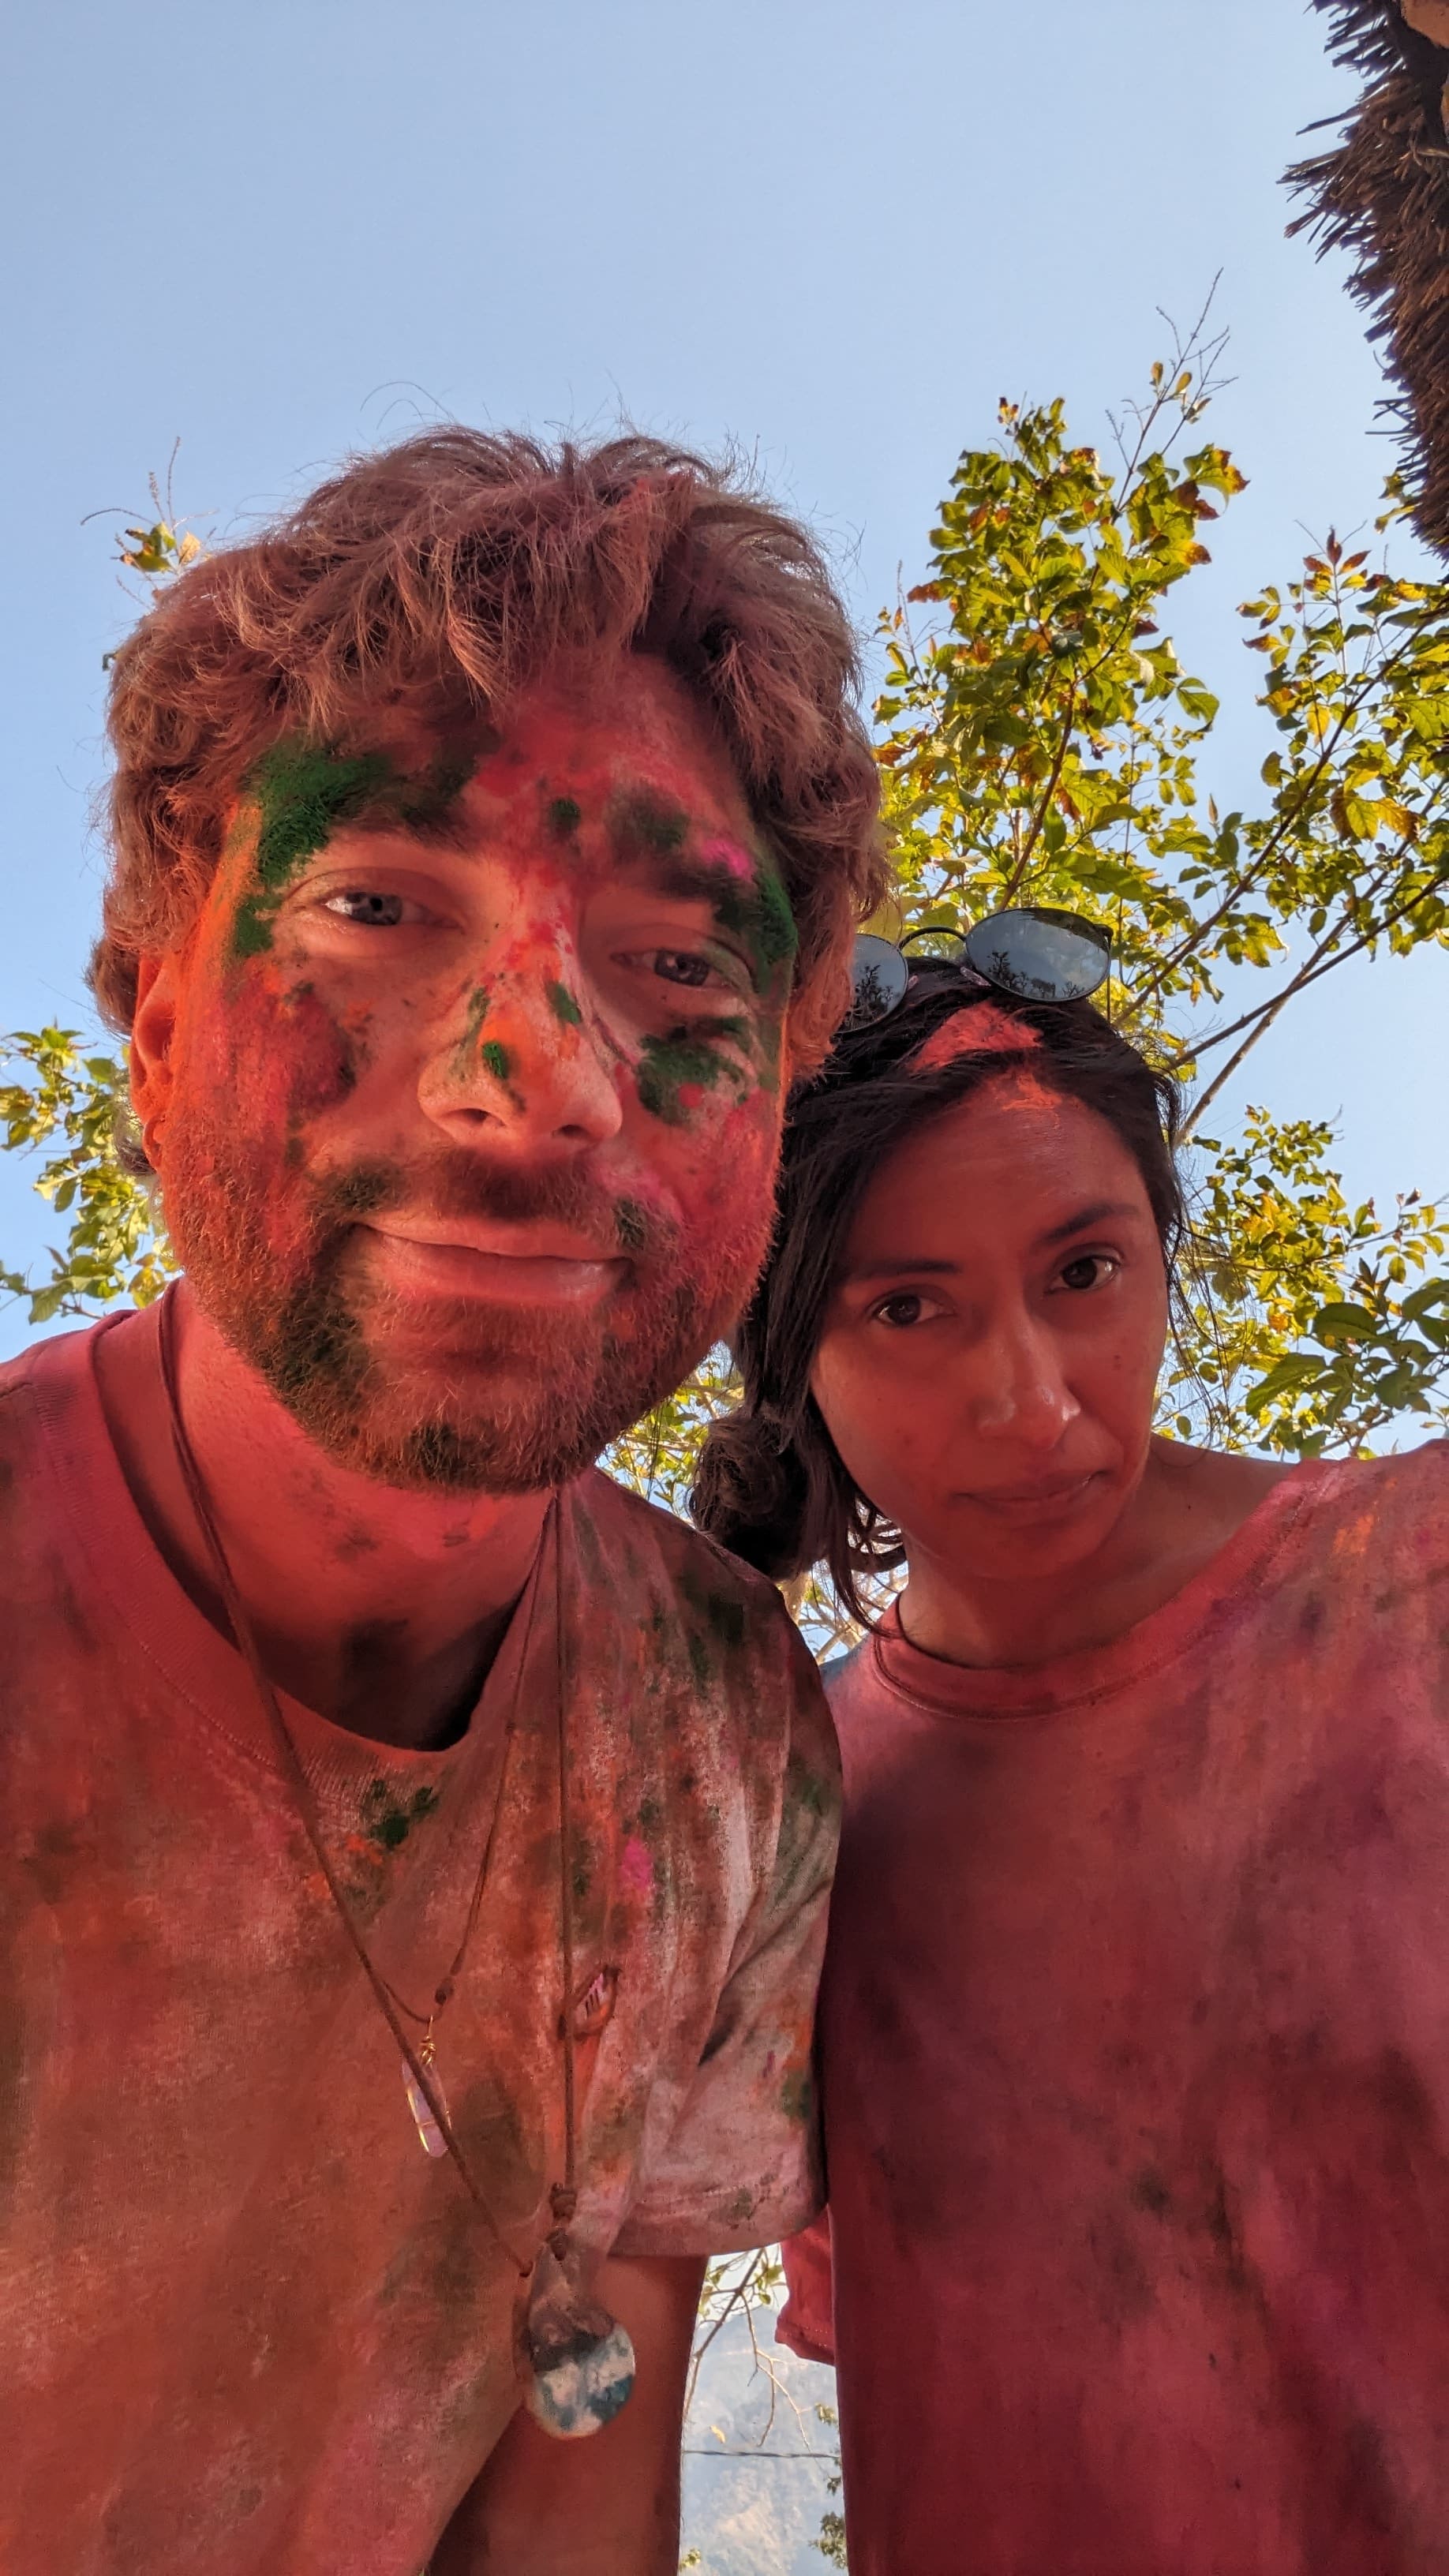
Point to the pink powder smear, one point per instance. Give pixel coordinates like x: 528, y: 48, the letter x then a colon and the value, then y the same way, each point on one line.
x: 636, y: 1869
x: 981, y: 1028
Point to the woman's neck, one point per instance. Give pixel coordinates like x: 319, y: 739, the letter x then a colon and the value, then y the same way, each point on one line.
x: 1187, y: 1504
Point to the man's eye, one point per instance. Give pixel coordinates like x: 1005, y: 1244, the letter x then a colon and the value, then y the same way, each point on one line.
x: 374, y: 911
x: 1089, y: 1270
x: 681, y: 966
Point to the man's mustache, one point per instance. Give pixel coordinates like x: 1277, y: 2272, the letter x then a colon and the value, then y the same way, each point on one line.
x: 448, y: 1184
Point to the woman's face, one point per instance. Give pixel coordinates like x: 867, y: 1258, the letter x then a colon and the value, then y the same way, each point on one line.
x: 990, y: 1352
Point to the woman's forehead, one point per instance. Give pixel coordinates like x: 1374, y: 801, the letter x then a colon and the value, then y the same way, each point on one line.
x: 1003, y: 1164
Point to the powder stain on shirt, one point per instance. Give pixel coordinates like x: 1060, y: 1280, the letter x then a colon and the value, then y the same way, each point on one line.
x: 388, y: 1822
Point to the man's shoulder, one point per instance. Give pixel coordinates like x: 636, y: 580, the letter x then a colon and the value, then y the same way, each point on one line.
x: 699, y: 1629
x: 37, y: 1381
x: 642, y: 1543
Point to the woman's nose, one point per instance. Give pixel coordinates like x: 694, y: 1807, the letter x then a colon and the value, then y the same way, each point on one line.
x: 1021, y: 1387
x: 525, y: 1065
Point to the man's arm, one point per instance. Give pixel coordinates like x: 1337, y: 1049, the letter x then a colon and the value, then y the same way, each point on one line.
x: 607, y: 2505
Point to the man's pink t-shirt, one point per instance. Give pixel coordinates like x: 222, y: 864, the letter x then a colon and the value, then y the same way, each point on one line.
x: 1135, y: 2038
x: 247, y: 2326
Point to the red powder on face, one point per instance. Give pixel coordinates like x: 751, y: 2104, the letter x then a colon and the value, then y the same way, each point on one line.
x: 982, y: 1028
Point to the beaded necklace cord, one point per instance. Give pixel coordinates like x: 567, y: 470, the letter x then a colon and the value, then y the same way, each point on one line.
x: 580, y: 2361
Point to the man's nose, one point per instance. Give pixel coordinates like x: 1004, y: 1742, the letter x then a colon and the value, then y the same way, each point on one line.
x: 1020, y: 1390
x: 524, y: 1064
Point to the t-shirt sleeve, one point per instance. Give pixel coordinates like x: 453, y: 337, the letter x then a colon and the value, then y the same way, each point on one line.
x: 741, y: 2165
x: 806, y: 2323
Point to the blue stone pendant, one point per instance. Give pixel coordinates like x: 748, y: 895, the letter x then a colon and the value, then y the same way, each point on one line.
x: 580, y: 2359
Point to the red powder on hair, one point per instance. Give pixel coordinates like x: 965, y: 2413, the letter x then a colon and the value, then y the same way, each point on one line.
x: 982, y: 1028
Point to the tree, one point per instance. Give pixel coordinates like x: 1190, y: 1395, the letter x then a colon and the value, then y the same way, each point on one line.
x: 1040, y: 741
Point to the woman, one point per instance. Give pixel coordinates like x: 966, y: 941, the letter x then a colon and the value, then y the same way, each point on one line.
x: 1135, y: 2028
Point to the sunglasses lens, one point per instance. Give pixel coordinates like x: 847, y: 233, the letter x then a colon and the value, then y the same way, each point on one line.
x: 879, y: 976
x: 1042, y: 955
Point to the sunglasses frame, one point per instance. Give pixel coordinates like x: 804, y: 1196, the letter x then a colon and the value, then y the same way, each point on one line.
x: 866, y: 969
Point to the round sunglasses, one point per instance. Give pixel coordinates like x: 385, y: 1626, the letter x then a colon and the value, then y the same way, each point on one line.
x: 1031, y: 950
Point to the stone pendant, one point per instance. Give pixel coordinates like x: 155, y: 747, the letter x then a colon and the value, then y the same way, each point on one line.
x: 580, y: 2361
x: 433, y: 2141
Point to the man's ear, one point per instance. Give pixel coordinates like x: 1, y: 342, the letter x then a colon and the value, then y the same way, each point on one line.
x: 153, y: 1032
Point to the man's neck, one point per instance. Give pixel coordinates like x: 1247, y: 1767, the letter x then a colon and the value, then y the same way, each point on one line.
x: 379, y: 1608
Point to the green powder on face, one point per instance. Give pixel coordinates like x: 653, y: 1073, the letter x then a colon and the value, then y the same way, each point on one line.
x: 563, y: 1006
x: 654, y: 822
x: 686, y: 1059
x: 478, y: 1001
x: 497, y: 1060
x: 760, y: 916
x: 564, y: 818
x: 302, y: 791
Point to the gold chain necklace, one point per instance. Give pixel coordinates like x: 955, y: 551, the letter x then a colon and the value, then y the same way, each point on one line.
x: 578, y: 2361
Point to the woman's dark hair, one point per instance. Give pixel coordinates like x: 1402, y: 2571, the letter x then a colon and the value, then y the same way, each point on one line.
x: 769, y: 1483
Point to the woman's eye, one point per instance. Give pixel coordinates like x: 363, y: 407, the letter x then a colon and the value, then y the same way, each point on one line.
x: 905, y: 1308
x: 1089, y: 1270
x: 375, y: 911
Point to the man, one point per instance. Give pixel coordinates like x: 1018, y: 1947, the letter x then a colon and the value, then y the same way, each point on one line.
x: 397, y: 2000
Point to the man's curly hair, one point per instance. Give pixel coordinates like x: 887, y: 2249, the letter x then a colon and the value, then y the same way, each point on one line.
x: 437, y: 577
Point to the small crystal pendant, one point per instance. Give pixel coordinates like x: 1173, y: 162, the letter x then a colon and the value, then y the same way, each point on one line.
x: 580, y: 2359
x: 434, y: 2142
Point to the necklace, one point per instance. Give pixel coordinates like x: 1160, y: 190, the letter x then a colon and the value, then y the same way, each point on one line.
x: 576, y: 2361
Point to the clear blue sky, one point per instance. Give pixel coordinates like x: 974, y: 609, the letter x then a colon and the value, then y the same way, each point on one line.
x: 833, y: 233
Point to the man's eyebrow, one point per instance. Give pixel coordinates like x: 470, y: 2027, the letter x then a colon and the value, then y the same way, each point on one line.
x: 1098, y: 1213
x: 695, y: 880
x: 434, y: 826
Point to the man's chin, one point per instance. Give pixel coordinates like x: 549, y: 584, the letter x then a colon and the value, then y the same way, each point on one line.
x: 499, y: 1402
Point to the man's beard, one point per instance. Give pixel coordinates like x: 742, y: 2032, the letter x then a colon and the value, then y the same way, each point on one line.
x: 503, y: 1399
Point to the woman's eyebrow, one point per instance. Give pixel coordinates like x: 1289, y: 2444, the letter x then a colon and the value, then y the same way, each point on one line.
x: 1098, y: 1213
x: 895, y: 1264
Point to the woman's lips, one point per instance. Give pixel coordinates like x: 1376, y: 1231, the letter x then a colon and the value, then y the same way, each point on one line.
x: 504, y: 1265
x: 1048, y: 1500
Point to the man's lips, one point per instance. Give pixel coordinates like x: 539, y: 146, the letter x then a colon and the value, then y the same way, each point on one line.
x: 512, y: 1265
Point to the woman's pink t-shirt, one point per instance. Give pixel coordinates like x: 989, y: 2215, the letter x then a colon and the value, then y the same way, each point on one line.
x: 1136, y: 2055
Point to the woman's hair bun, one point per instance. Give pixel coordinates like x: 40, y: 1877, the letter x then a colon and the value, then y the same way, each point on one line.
x: 751, y: 1491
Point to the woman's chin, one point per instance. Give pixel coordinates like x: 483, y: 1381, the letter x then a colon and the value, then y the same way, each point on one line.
x: 1032, y: 1539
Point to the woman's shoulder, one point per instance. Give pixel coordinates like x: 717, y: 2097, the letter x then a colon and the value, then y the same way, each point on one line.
x: 1409, y: 1485
x: 1386, y: 1519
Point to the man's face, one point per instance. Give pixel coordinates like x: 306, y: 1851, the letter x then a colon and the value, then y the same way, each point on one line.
x: 469, y: 1080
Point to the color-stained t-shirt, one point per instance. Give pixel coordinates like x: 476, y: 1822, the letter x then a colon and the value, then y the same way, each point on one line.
x: 246, y: 2323
x: 1135, y: 2046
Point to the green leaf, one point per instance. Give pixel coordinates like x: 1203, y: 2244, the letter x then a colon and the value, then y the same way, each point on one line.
x: 1335, y: 1324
